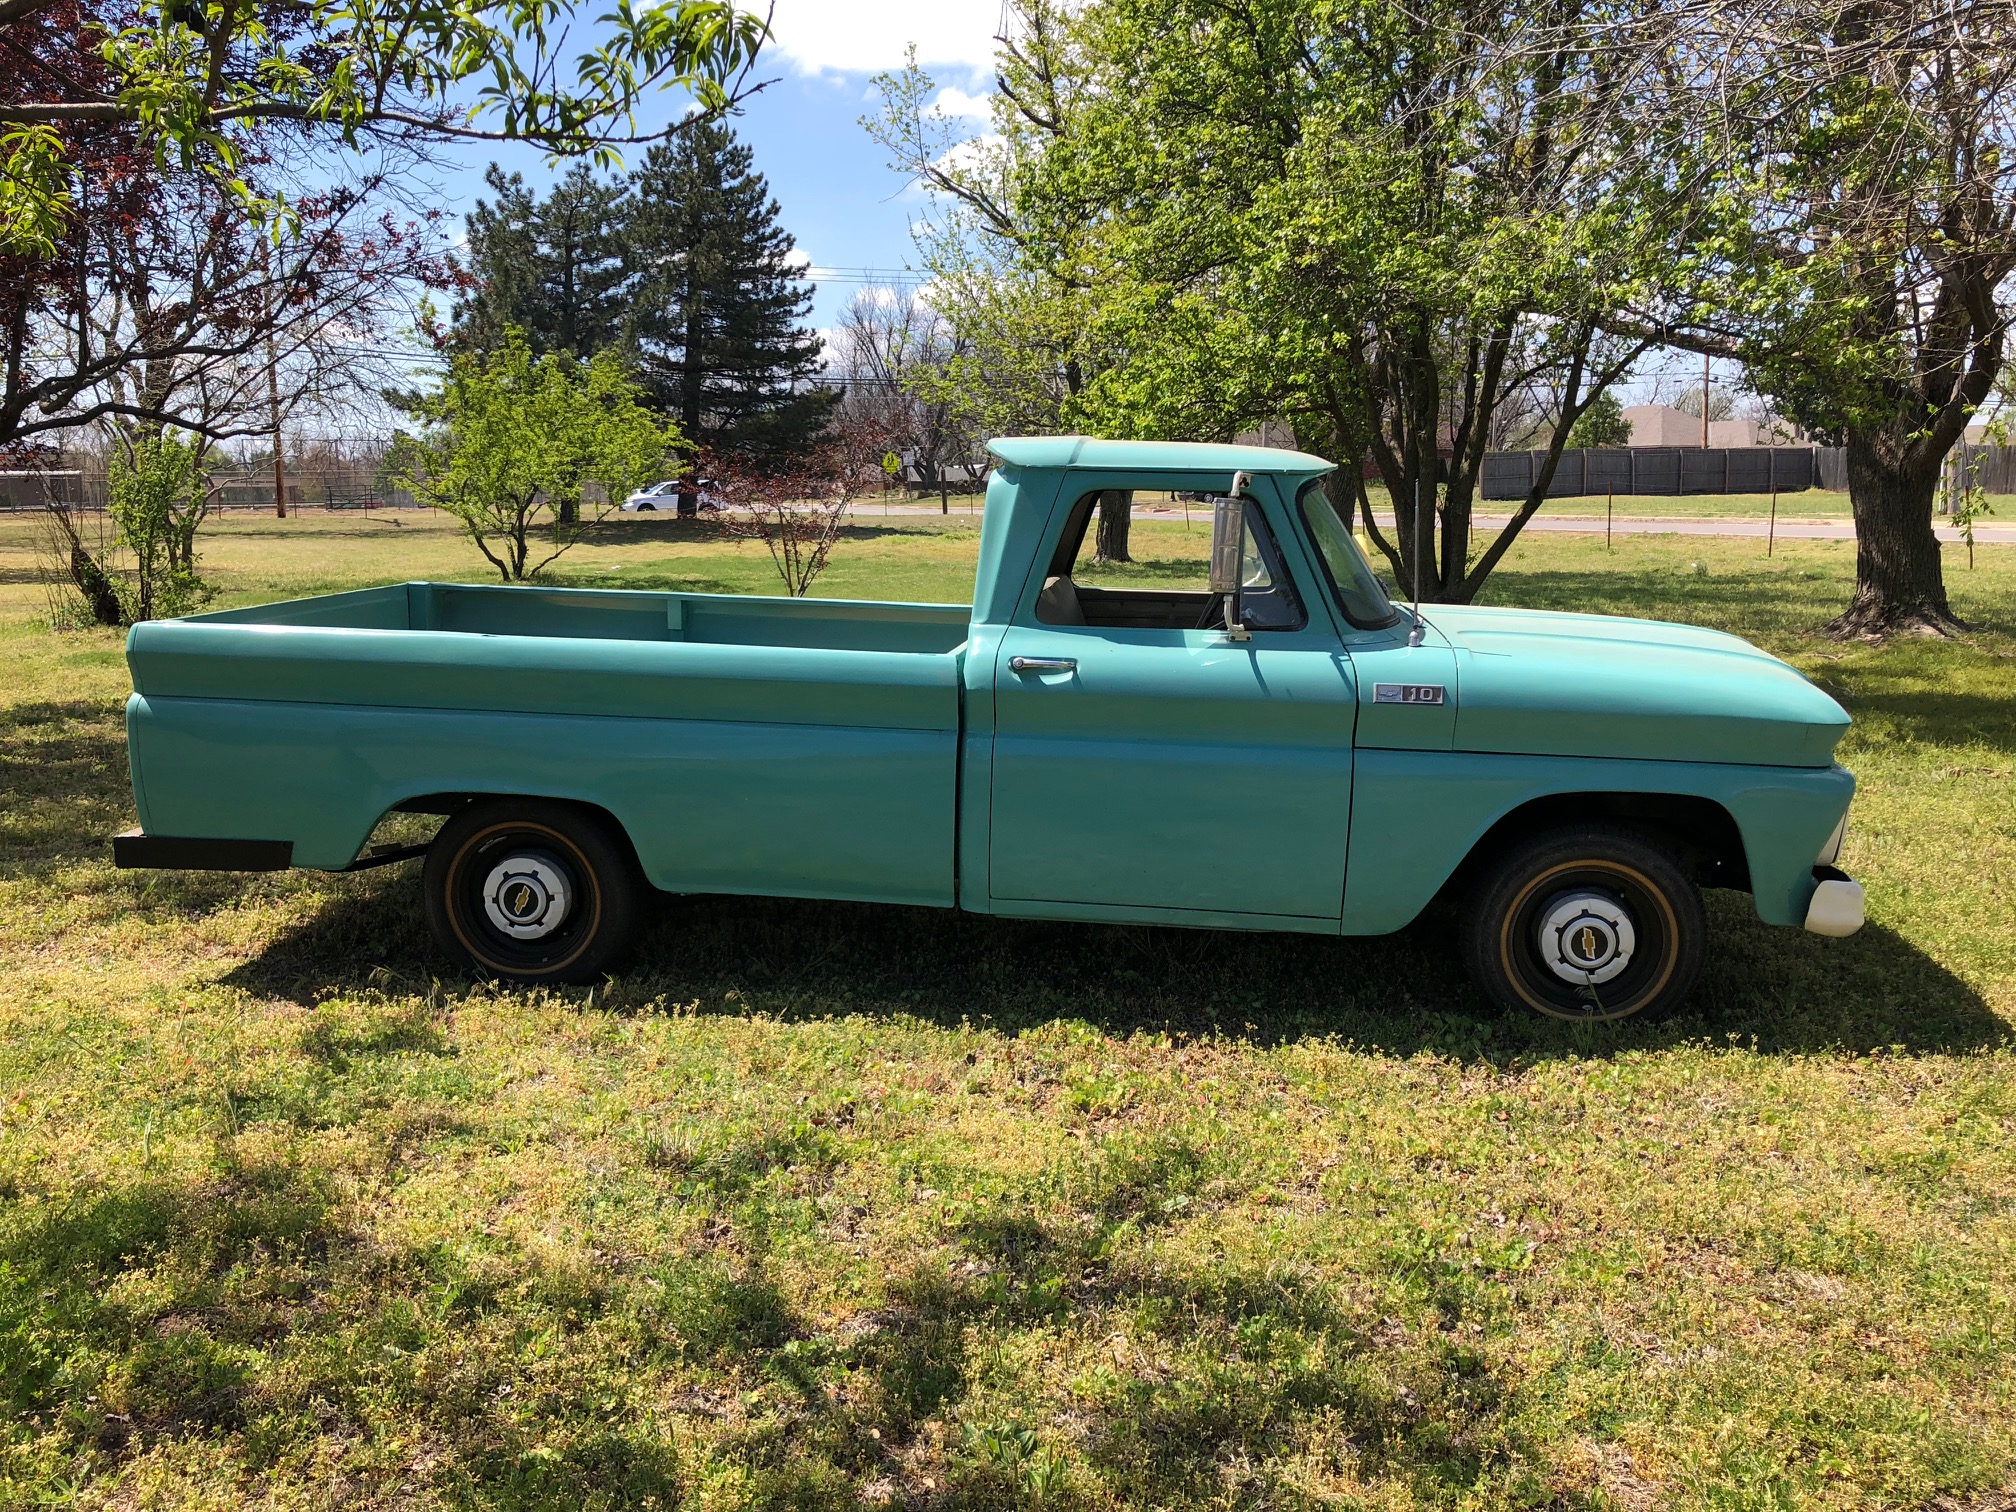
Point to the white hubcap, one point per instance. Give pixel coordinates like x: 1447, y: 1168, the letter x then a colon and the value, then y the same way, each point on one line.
x: 1586, y: 937
x: 527, y: 896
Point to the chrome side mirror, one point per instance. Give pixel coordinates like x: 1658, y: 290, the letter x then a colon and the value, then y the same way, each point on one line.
x: 1228, y: 540
x: 1228, y: 534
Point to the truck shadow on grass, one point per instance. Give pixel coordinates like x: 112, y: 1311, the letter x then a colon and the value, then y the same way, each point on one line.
x: 1777, y: 990
x: 63, y: 783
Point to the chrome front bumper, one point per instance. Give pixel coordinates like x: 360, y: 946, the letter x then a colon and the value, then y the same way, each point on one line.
x: 1836, y: 909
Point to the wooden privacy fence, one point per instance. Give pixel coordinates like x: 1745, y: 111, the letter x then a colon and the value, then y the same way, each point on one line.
x: 1970, y: 464
x: 1652, y: 470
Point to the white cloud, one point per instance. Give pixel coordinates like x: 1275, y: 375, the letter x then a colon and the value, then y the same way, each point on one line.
x: 864, y: 36
x: 957, y: 103
x: 969, y: 154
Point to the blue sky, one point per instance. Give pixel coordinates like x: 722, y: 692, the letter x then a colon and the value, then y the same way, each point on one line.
x: 850, y: 214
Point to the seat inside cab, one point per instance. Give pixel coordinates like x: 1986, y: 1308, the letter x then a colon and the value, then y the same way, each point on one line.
x: 1160, y: 593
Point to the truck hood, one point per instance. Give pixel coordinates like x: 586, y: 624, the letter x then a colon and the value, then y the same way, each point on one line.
x: 1536, y: 683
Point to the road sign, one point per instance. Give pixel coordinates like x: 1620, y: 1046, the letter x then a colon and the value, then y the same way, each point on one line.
x: 891, y: 463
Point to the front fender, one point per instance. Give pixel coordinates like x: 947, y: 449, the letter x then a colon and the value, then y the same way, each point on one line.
x: 1415, y: 816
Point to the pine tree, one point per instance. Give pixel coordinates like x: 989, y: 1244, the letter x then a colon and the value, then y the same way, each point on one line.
x: 717, y: 306
x: 550, y: 268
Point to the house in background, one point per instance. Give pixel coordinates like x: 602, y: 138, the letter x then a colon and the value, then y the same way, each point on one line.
x: 1663, y: 425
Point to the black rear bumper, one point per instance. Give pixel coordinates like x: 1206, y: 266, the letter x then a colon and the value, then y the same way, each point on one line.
x: 189, y: 853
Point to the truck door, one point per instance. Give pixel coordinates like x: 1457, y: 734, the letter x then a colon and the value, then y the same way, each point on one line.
x: 1143, y: 760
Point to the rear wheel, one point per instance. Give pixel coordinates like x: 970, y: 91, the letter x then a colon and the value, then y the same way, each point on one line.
x: 1596, y: 923
x: 532, y: 891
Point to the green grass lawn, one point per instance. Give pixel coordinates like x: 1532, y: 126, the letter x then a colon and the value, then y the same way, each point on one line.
x: 827, y: 1206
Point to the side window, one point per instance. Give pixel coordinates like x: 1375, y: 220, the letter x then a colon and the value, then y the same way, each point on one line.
x: 1267, y: 599
x: 1165, y: 585
x: 1254, y: 572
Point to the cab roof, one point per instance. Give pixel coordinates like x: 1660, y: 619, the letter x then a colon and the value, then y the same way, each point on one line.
x: 1151, y: 456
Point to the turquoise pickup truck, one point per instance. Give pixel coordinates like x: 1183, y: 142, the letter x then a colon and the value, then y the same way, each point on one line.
x: 1275, y: 746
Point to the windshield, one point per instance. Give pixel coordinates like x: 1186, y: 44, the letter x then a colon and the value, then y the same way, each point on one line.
x: 1358, y: 592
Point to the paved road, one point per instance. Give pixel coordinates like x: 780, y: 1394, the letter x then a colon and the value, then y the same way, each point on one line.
x: 1810, y: 530
x: 1693, y: 525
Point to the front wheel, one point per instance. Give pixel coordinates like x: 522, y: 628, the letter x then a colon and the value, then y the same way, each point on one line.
x: 532, y: 891
x: 1595, y: 923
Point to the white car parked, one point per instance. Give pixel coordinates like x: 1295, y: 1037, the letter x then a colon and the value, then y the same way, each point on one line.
x: 666, y: 496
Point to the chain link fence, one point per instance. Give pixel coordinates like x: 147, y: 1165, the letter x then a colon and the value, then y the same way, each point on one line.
x: 358, y: 487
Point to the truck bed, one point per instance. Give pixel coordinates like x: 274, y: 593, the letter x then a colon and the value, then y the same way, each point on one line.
x: 763, y: 745
x: 621, y: 614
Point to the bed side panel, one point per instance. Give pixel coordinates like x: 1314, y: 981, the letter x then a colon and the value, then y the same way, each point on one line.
x: 419, y: 669
x: 804, y: 810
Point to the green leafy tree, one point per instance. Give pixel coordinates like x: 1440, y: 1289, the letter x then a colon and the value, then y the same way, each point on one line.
x: 144, y: 565
x: 515, y: 445
x: 157, y: 496
x: 1381, y: 223
x: 1601, y: 424
x: 197, y: 78
x: 551, y: 267
x: 719, y: 304
x: 1867, y: 152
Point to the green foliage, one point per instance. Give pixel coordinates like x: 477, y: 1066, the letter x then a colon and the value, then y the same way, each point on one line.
x: 513, y: 441
x: 1194, y: 223
x: 551, y: 267
x: 717, y: 308
x: 1602, y: 423
x: 197, y: 79
x: 1870, y: 186
x: 157, y: 497
x: 34, y: 190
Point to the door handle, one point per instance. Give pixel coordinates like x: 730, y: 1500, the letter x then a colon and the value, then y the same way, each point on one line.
x: 1043, y: 663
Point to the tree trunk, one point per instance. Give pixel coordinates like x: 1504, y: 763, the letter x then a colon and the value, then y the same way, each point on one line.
x: 95, y: 586
x: 1900, y: 585
x: 690, y: 398
x: 1116, y: 514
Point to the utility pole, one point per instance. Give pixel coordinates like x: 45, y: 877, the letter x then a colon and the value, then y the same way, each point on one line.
x: 1704, y: 401
x: 273, y: 390
x: 279, y: 457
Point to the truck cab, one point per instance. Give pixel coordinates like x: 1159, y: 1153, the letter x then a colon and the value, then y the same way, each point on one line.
x: 1268, y: 742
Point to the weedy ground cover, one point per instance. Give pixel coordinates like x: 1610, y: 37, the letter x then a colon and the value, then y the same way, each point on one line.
x: 826, y: 1206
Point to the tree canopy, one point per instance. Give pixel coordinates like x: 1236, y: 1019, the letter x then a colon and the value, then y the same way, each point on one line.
x: 719, y: 301
x: 1382, y: 223
x: 194, y: 80
x: 511, y: 443
x: 1866, y: 150
x: 682, y: 264
x: 552, y: 267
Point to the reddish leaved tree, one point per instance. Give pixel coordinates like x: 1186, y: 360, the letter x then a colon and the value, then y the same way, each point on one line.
x: 797, y: 506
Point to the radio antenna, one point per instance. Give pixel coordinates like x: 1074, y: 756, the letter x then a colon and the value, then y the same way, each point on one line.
x: 1418, y: 632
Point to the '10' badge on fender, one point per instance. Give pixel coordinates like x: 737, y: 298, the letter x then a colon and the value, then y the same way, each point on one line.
x: 1407, y: 693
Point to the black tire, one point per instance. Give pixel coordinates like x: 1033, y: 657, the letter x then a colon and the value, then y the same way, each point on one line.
x: 576, y: 891
x: 1552, y: 904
